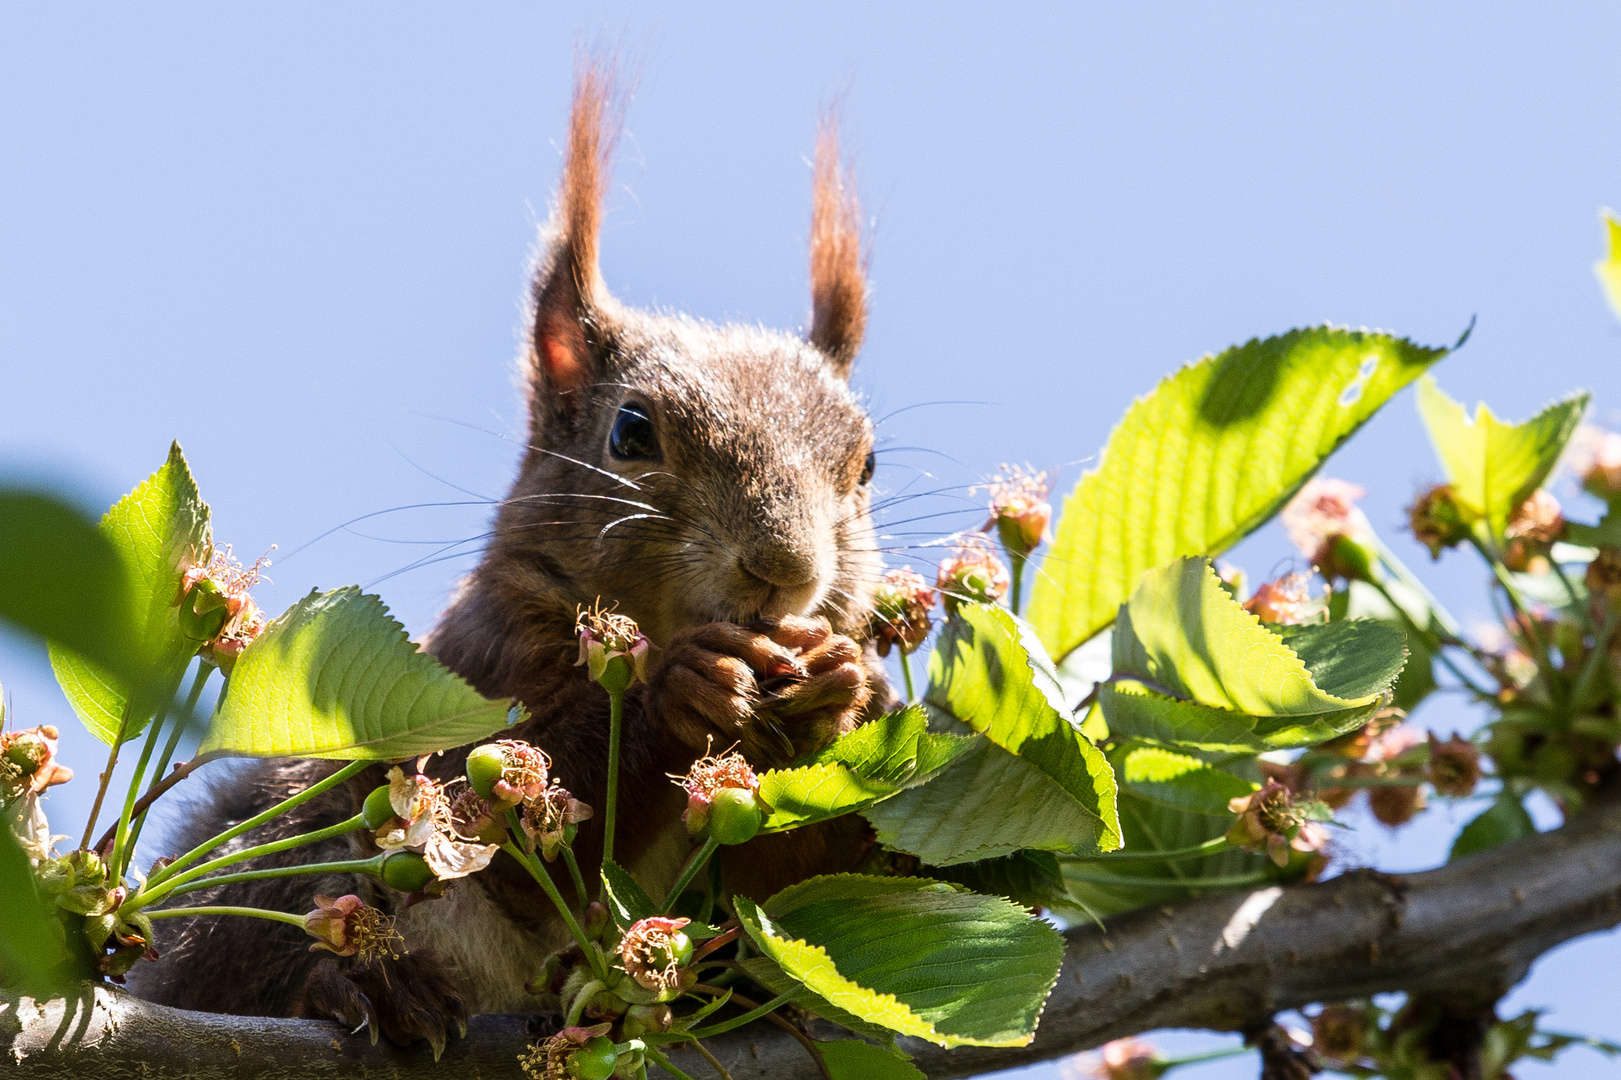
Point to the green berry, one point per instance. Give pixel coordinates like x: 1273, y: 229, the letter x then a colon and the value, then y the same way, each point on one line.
x: 678, y: 949
x: 734, y: 816
x: 596, y: 1059
x: 485, y: 764
x: 378, y: 811
x: 203, y: 611
x: 27, y: 752
x: 407, y: 872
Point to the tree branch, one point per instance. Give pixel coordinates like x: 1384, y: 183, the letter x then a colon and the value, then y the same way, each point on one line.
x: 1469, y: 931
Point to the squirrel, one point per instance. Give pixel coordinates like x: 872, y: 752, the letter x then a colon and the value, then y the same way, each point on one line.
x: 712, y: 482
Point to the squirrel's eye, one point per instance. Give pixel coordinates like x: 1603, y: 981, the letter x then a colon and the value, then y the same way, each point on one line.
x: 633, y: 437
x: 866, y: 469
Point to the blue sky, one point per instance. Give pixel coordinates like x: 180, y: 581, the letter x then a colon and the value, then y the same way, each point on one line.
x: 294, y: 237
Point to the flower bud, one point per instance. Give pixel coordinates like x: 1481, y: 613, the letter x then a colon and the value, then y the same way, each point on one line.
x: 653, y: 952
x: 1286, y: 601
x: 1454, y: 767
x: 595, y: 920
x: 1604, y: 575
x: 655, y: 1019
x: 377, y: 811
x: 1020, y: 512
x: 347, y: 927
x: 1338, y: 1032
x: 1128, y: 1059
x: 204, y: 610
x: 971, y: 573
x: 407, y: 871
x: 900, y: 611
x: 1438, y: 520
x: 1396, y: 805
x: 612, y: 648
x: 734, y: 816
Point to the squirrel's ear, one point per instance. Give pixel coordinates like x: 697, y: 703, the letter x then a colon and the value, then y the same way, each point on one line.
x: 568, y: 289
x: 838, y: 275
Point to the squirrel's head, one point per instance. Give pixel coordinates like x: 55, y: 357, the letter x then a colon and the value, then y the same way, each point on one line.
x: 689, y: 472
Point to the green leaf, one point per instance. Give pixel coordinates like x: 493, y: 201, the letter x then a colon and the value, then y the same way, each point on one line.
x: 1417, y: 680
x: 1608, y: 268
x: 1150, y: 826
x: 990, y: 803
x: 848, y: 1059
x: 336, y: 677
x: 1494, y: 467
x: 34, y: 958
x: 160, y: 530
x: 1031, y: 878
x: 1134, y: 711
x: 1501, y: 822
x: 870, y: 764
x: 61, y: 579
x: 1186, y: 634
x: 1607, y: 533
x: 920, y: 957
x: 989, y: 671
x: 1178, y: 780
x: 628, y: 902
x: 1207, y: 457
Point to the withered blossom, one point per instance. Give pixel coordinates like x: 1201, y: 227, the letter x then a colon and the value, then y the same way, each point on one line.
x: 348, y: 927
x: 1020, y: 512
x: 612, y: 648
x: 971, y: 573
x: 900, y: 611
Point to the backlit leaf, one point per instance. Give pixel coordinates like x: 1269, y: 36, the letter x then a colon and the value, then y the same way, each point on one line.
x: 1207, y: 457
x: 336, y: 677
x: 1495, y: 466
x: 920, y: 957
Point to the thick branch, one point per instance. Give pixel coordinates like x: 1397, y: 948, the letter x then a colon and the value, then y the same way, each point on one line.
x: 1468, y: 931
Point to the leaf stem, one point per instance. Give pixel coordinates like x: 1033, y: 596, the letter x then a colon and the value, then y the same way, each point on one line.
x: 175, y: 733
x: 747, y: 1018
x: 115, y: 864
x: 107, y: 774
x: 695, y: 863
x: 1229, y: 881
x: 1017, y: 568
x: 664, y: 1063
x: 1209, y: 847
x: 575, y: 875
x: 159, y: 887
x: 254, y: 822
x: 616, y: 720
x: 373, y: 866
x: 906, y: 673
x: 549, y: 887
x: 714, y: 1062
x: 256, y: 913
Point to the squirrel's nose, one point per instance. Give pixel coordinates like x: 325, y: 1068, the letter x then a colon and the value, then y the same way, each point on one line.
x: 780, y: 566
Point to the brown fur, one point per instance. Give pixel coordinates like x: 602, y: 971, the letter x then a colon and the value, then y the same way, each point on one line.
x: 745, y: 552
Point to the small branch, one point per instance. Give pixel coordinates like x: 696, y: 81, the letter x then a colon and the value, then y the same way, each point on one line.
x: 1465, y: 932
x: 181, y: 771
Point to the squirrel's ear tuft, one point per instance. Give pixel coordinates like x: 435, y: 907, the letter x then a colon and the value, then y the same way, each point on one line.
x: 568, y: 289
x: 838, y: 274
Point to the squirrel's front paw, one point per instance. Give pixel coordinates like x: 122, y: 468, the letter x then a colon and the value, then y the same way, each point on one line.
x: 404, y: 998
x: 780, y: 687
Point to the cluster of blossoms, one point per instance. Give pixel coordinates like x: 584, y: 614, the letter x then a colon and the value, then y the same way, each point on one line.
x: 1020, y: 512
x: 900, y: 611
x: 415, y: 817
x: 612, y: 648
x: 971, y: 573
x: 723, y: 799
x: 28, y: 766
x: 1273, y: 821
x: 509, y: 774
x: 216, y: 610
x: 348, y: 927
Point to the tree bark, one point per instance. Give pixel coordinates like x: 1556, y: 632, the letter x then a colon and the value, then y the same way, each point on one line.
x: 1466, y: 932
